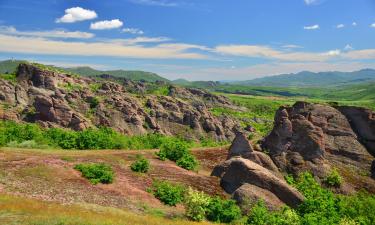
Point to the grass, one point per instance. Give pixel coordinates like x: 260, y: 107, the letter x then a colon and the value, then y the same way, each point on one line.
x: 9, y: 77
x: 259, y: 111
x: 19, y: 210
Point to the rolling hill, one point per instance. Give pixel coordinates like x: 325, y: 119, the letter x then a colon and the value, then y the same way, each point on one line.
x: 10, y: 66
x: 311, y: 79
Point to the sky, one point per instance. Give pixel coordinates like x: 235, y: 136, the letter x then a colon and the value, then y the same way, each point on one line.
x: 192, y: 39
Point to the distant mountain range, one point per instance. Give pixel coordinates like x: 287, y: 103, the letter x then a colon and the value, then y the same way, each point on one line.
x: 9, y: 66
x: 301, y: 79
x: 311, y: 79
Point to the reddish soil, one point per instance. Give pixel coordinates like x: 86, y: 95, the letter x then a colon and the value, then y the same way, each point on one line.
x: 50, y: 176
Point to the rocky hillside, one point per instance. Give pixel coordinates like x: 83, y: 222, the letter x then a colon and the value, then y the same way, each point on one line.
x: 320, y: 138
x: 54, y: 99
x: 306, y: 137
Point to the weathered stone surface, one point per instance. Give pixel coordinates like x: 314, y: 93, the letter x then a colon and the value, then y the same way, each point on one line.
x: 241, y: 146
x: 363, y: 123
x: 63, y: 100
x: 238, y: 171
x: 247, y: 195
x: 304, y: 134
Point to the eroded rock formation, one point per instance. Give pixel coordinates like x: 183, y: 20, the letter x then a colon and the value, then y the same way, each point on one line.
x: 54, y: 99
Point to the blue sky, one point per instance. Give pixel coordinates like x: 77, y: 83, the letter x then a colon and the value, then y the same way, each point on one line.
x: 192, y: 39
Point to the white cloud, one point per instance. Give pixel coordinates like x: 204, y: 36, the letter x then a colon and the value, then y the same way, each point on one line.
x: 45, y: 46
x: 348, y: 47
x: 360, y: 54
x: 256, y: 51
x: 333, y: 53
x: 163, y: 3
x: 57, y: 33
x: 372, y: 25
x: 137, y: 40
x: 311, y: 2
x: 76, y: 14
x: 291, y: 46
x: 339, y: 26
x: 106, y: 24
x: 354, y: 24
x: 133, y: 31
x: 313, y: 27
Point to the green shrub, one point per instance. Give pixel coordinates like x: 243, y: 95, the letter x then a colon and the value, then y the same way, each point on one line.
x: 96, y: 173
x: 168, y: 193
x: 63, y: 138
x: 94, y: 102
x: 196, y: 204
x: 222, y: 211
x: 333, y: 179
x: 188, y: 162
x: 26, y: 144
x: 178, y: 151
x: 260, y: 215
x: 173, y: 150
x: 141, y: 165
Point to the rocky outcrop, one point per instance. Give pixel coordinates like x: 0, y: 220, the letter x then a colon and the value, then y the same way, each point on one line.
x: 241, y: 146
x: 54, y: 99
x: 316, y: 138
x: 247, y: 195
x: 363, y: 123
x: 237, y: 171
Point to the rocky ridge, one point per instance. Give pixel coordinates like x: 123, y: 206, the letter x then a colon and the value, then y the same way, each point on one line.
x: 53, y: 99
x: 306, y: 137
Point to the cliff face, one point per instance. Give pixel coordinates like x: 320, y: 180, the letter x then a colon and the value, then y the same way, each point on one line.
x: 53, y: 99
x: 319, y: 138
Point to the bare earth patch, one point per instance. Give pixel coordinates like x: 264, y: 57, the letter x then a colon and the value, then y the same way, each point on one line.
x: 49, y: 175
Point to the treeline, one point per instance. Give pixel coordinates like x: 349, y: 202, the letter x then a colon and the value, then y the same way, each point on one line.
x: 29, y: 135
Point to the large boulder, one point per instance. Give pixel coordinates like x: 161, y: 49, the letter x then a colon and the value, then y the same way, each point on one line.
x: 248, y: 195
x: 241, y: 146
x: 305, y: 134
x: 363, y: 123
x: 238, y: 171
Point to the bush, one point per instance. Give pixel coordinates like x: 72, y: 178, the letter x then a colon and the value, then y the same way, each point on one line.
x: 141, y: 165
x: 222, y: 211
x: 169, y: 194
x: 96, y: 173
x: 173, y: 150
x: 63, y: 138
x: 321, y: 206
x: 260, y: 215
x: 188, y: 162
x: 196, y: 204
x: 333, y: 179
x: 178, y: 151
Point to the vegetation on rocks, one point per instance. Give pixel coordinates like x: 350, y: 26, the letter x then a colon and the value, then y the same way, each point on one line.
x: 14, y: 134
x: 321, y: 206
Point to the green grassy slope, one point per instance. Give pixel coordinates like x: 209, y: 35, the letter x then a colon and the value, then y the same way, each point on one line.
x: 10, y: 66
x: 131, y: 75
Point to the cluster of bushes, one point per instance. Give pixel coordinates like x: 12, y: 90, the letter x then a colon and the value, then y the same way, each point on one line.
x: 321, y: 206
x: 178, y: 151
x: 141, y: 165
x: 96, y: 172
x: 14, y: 134
x: 198, y: 205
